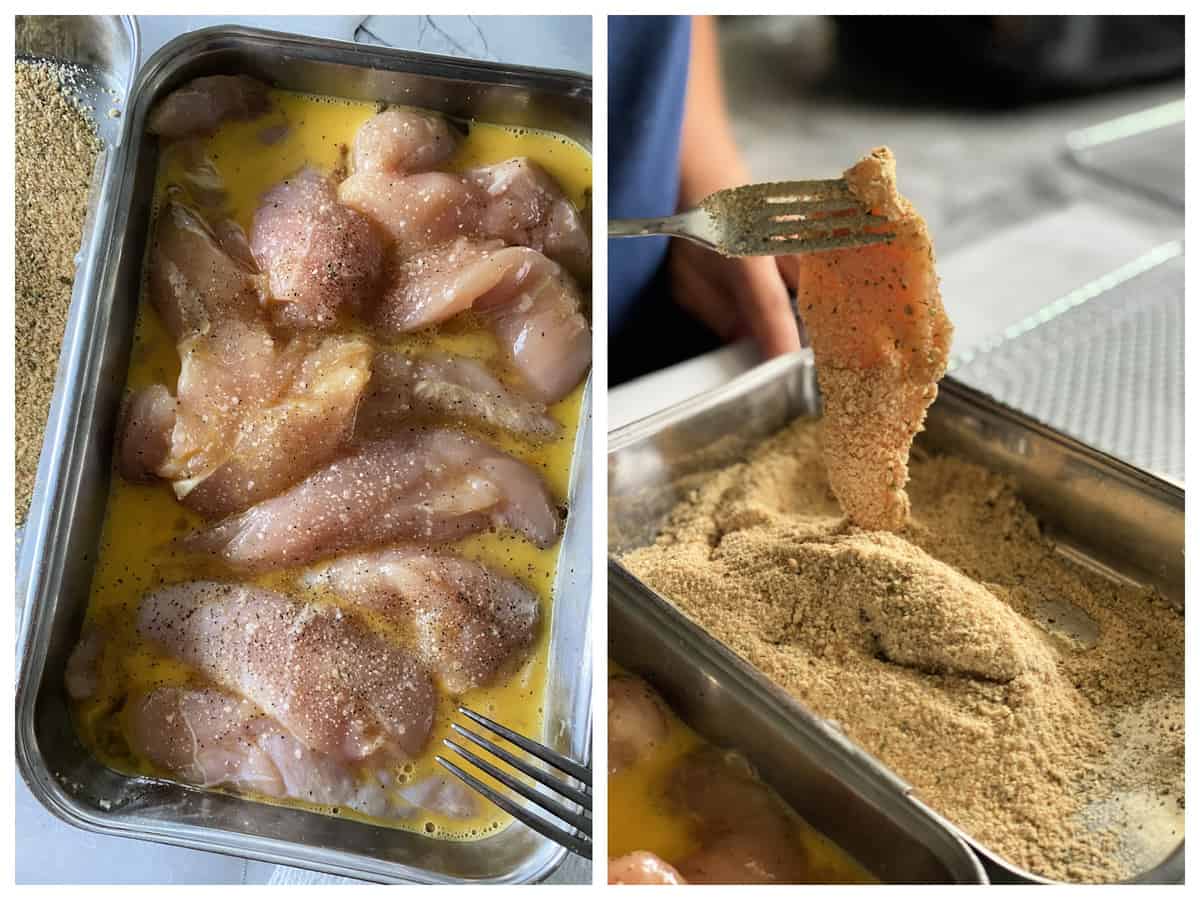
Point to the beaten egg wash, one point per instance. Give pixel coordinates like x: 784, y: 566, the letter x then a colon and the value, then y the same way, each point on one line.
x: 135, y: 554
x: 640, y: 818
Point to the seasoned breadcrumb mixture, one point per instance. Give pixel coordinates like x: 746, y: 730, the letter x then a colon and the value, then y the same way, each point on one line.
x: 941, y: 650
x: 56, y: 149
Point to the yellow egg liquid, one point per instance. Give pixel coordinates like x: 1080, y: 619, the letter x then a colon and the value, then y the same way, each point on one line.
x: 640, y: 817
x: 135, y: 555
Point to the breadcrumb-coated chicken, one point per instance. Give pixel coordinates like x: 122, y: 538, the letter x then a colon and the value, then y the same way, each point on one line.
x: 881, y: 340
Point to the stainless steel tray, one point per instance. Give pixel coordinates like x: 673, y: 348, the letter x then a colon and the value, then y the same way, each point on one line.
x: 105, y: 51
x: 58, y: 556
x: 824, y: 777
x: 1097, y: 509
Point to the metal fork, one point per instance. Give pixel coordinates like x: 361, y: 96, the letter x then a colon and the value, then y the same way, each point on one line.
x: 579, y: 841
x: 773, y: 219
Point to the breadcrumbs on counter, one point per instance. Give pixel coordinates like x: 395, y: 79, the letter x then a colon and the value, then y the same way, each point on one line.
x: 56, y: 152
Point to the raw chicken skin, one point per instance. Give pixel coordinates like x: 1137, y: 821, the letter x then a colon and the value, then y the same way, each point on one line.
x: 523, y: 205
x: 881, y: 341
x: 201, y: 105
x: 456, y: 387
x: 637, y: 721
x: 338, y: 688
x: 415, y: 211
x: 319, y: 255
x: 469, y: 623
x: 642, y: 868
x: 403, y: 141
x: 528, y: 301
x: 194, y: 283
x: 430, y: 486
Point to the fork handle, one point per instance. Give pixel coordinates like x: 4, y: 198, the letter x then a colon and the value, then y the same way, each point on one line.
x: 669, y: 225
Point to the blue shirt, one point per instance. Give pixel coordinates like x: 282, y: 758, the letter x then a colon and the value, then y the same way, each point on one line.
x: 647, y: 79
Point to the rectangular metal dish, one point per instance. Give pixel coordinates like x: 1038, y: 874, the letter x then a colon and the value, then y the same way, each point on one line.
x: 1098, y: 510
x: 58, y: 556
x: 825, y: 779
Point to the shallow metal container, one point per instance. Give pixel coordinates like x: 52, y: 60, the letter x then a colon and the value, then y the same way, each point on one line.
x: 821, y: 775
x: 104, y: 51
x: 1099, y: 511
x: 59, y: 551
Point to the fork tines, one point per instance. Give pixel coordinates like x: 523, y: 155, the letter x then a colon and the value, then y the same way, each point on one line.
x: 578, y: 841
x: 793, y: 217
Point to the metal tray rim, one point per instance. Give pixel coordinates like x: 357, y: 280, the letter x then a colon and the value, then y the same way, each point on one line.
x: 877, y: 778
x: 1171, y: 866
x: 42, y: 551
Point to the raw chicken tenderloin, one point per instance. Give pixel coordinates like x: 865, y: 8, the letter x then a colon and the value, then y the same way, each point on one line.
x: 881, y: 341
x: 144, y: 433
x: 459, y: 388
x: 642, y: 868
x: 523, y: 205
x: 638, y: 721
x: 301, y: 429
x: 319, y: 255
x: 402, y: 140
x: 529, y: 302
x: 207, y: 737
x: 340, y: 689
x: 201, y: 105
x: 415, y: 211
x: 252, y: 416
x: 431, y: 486
x: 467, y: 622
x: 748, y: 835
x: 193, y: 282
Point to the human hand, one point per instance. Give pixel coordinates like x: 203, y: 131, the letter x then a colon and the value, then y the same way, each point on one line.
x: 736, y: 296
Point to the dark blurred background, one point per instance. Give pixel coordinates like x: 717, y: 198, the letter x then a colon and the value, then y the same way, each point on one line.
x: 1046, y: 153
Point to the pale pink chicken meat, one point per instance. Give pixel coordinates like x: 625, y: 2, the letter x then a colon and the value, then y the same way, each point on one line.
x: 456, y: 387
x: 201, y: 105
x: 210, y: 738
x: 748, y: 835
x: 431, y: 486
x: 83, y: 665
x: 194, y: 283
x: 528, y: 301
x: 252, y: 416
x: 469, y: 623
x: 415, y: 211
x: 403, y: 140
x: 337, y: 687
x: 144, y: 433
x: 523, y: 205
x: 301, y: 428
x: 253, y: 412
x: 637, y: 721
x: 642, y: 868
x: 320, y: 256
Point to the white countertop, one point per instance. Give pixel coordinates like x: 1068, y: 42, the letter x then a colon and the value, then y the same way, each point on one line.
x: 48, y: 850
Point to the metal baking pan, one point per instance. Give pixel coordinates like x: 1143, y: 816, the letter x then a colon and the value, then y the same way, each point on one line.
x: 105, y: 51
x: 821, y: 775
x: 58, y: 556
x: 1089, y: 503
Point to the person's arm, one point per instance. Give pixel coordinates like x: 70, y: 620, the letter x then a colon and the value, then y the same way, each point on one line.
x: 733, y: 297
